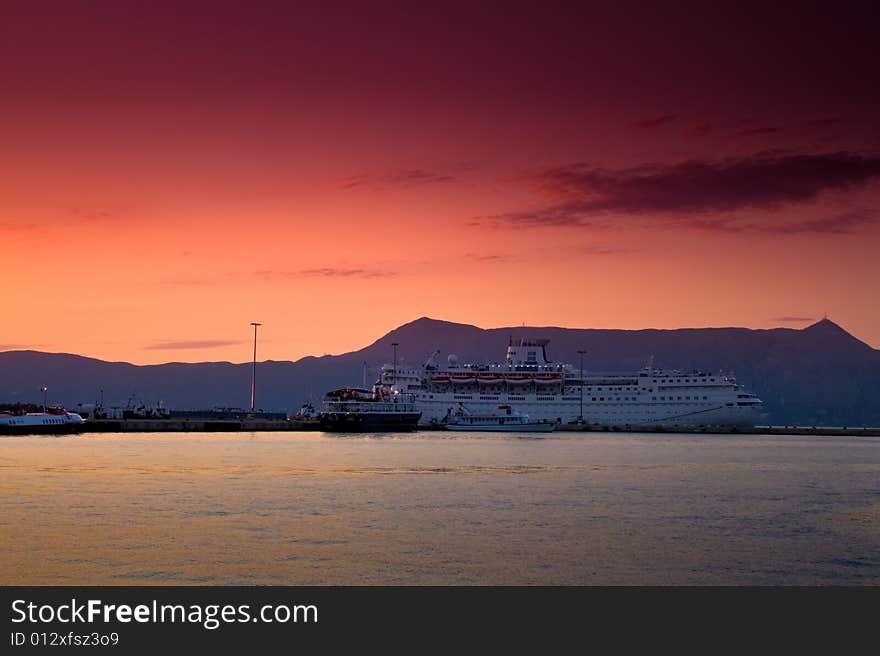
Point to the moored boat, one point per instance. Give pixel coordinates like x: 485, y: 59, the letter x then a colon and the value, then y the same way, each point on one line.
x: 555, y: 391
x: 351, y: 410
x: 54, y: 421
x: 505, y: 419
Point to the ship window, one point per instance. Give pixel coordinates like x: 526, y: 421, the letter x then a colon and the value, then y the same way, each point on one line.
x: 601, y: 398
x: 653, y: 398
x: 705, y: 398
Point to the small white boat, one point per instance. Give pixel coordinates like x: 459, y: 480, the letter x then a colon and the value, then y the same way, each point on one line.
x: 505, y: 420
x: 53, y: 422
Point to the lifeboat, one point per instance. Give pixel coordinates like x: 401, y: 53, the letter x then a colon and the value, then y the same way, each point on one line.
x: 487, y: 380
x: 462, y: 380
x: 440, y: 379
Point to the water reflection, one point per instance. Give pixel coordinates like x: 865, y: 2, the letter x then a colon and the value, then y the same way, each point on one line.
x: 431, y: 508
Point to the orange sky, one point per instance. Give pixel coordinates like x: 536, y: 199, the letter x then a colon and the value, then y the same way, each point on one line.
x: 164, y: 180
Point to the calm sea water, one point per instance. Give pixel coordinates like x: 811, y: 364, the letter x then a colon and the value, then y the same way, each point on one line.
x: 437, y: 508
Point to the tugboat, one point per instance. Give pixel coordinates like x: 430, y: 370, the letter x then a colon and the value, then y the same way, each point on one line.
x: 506, y: 419
x: 54, y: 421
x: 354, y: 410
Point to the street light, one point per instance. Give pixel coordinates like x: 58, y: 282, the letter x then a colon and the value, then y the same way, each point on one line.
x: 394, y: 370
x: 44, y: 389
x: 254, y: 375
x: 581, y: 417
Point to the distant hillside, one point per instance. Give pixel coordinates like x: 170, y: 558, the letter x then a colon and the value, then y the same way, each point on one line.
x: 818, y: 375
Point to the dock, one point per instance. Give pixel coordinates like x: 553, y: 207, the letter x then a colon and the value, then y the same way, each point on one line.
x: 196, y: 425
x: 852, y: 431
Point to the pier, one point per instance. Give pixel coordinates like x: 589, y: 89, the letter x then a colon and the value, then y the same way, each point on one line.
x: 194, y: 425
x: 728, y: 430
x: 197, y: 425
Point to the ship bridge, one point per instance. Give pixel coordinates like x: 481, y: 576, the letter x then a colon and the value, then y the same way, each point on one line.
x: 527, y: 352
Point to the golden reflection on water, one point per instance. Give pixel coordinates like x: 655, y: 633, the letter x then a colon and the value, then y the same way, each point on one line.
x: 427, y: 508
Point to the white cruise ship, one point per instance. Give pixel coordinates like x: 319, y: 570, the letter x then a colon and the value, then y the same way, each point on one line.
x: 553, y: 391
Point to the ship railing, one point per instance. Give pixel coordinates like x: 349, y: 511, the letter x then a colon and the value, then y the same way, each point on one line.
x: 369, y: 406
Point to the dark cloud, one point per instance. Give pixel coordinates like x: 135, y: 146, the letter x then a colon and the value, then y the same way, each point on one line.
x: 195, y: 344
x: 655, y: 122
x: 838, y: 224
x: 756, y: 132
x: 698, y: 130
x: 10, y: 227
x: 586, y: 195
x: 597, y: 249
x: 333, y: 272
x: 399, y: 179
x: 92, y: 215
x: 792, y: 319
x: 825, y: 122
x: 488, y: 258
x: 560, y: 216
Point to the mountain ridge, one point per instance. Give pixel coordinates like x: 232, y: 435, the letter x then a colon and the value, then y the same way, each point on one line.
x: 819, y: 374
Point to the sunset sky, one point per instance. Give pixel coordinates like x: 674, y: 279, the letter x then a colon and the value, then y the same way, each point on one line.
x: 170, y: 172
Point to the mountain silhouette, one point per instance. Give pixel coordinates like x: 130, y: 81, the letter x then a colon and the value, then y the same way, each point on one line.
x: 818, y: 375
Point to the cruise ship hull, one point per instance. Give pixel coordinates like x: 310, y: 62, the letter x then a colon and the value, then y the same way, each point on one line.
x: 625, y: 415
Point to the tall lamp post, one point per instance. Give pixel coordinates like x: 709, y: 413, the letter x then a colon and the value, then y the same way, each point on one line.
x: 254, y: 374
x: 394, y: 370
x: 581, y: 417
x: 44, y: 389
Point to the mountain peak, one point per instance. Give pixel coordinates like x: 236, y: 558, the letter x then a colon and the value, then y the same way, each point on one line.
x: 828, y: 333
x: 428, y: 324
x: 826, y: 325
